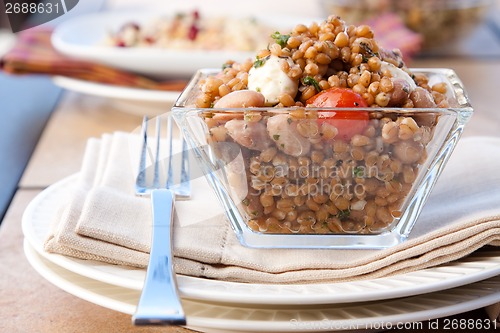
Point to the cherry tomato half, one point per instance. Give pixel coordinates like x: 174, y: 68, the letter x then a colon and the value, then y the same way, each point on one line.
x: 348, y: 123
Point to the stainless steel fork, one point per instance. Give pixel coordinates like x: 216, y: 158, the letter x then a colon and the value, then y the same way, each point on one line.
x: 159, y: 303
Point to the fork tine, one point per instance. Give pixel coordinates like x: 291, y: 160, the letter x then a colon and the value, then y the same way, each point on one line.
x: 156, y: 178
x: 141, y: 175
x: 170, y: 176
x: 184, y: 191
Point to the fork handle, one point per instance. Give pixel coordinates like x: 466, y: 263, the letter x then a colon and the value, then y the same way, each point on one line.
x: 159, y: 303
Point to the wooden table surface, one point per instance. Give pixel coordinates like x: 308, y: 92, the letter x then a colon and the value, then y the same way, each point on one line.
x: 29, y: 303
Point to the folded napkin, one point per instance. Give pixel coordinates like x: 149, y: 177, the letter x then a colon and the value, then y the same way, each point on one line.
x: 33, y: 54
x: 103, y: 220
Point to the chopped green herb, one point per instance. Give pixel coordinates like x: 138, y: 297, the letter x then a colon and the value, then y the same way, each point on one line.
x: 367, y: 49
x: 289, y: 121
x: 259, y: 62
x: 246, y: 202
x: 276, y: 137
x: 280, y: 39
x: 226, y: 65
x: 343, y: 214
x: 310, y: 81
x: 358, y: 172
x: 282, y: 145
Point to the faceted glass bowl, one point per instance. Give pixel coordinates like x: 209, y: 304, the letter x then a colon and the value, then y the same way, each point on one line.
x: 323, y: 177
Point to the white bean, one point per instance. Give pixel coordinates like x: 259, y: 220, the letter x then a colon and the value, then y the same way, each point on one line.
x: 252, y: 135
x: 422, y: 98
x: 286, y: 136
x: 241, y: 99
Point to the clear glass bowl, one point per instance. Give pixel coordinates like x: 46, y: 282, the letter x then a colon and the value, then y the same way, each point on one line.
x: 332, y: 177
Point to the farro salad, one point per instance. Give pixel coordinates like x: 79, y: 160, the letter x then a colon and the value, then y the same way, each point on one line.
x: 193, y: 31
x: 310, y: 171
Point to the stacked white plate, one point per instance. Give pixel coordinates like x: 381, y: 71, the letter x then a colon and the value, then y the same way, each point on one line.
x: 136, y: 101
x: 221, y: 306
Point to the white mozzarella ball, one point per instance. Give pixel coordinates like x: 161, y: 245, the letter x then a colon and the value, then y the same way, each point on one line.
x: 271, y: 81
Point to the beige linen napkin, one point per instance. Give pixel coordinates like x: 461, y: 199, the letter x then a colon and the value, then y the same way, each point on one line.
x: 103, y: 220
x: 103, y: 194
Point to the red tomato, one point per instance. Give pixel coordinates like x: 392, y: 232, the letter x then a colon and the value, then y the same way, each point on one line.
x: 348, y: 123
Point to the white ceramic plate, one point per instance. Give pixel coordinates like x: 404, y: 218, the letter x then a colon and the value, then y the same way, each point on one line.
x: 158, y: 62
x: 209, y: 317
x: 131, y: 100
x: 479, y: 266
